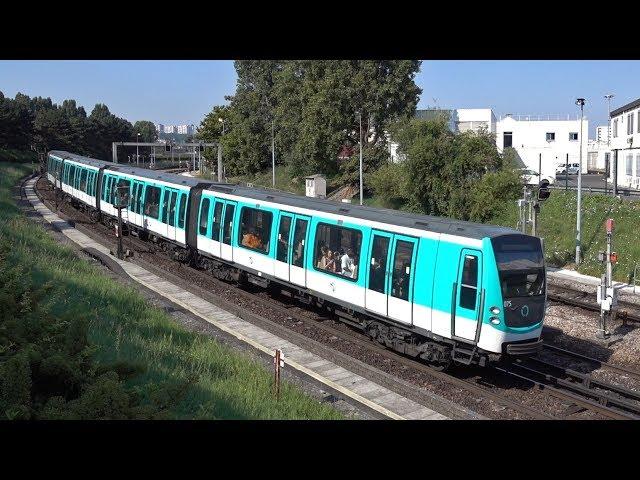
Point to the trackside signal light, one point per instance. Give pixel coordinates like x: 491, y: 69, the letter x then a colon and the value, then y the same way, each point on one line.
x: 543, y: 190
x: 614, y: 257
x: 609, y: 225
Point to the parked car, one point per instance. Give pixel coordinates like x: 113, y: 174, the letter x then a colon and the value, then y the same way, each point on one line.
x: 530, y: 177
x: 574, y: 168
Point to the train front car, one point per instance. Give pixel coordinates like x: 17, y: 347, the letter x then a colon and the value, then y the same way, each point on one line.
x: 515, y: 305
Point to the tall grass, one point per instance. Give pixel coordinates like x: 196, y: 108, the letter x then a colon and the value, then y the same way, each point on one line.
x: 190, y: 374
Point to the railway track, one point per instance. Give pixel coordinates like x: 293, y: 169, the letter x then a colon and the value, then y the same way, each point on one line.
x: 626, y: 311
x: 581, y: 391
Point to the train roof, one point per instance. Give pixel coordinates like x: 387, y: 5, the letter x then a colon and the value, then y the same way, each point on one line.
x: 429, y: 223
x: 137, y: 171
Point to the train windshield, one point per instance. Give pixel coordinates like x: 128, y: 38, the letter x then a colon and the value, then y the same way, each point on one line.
x: 520, y: 265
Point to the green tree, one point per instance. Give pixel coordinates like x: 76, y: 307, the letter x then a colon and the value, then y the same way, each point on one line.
x: 147, y: 131
x: 313, y: 105
x: 445, y: 174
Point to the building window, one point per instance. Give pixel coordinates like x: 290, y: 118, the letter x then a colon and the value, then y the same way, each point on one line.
x: 638, y: 165
x: 507, y: 139
x: 629, y: 165
x: 573, y: 136
x: 615, y: 128
x: 630, y: 124
x: 551, y: 136
x: 337, y: 251
x: 255, y: 229
x: 152, y: 202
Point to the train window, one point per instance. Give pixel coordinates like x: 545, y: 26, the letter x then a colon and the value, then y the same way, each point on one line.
x: 140, y: 193
x: 122, y: 187
x: 469, y: 283
x: 204, y: 216
x: 103, y: 190
x: 401, y: 278
x: 172, y: 208
x: 165, y: 206
x: 83, y: 179
x: 217, y: 219
x: 337, y: 250
x: 182, y: 210
x: 228, y: 224
x: 152, y: 202
x: 283, y: 239
x: 255, y: 229
x: 72, y: 177
x: 299, y: 236
x: 379, y: 253
x: 133, y: 199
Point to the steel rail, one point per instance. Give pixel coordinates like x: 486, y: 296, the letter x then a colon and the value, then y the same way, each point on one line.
x: 587, y: 393
x: 601, y: 363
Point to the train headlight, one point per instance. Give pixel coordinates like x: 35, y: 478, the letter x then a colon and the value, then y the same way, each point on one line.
x: 495, y: 320
x: 494, y: 310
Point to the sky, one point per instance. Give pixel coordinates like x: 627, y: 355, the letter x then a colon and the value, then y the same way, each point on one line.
x: 174, y: 92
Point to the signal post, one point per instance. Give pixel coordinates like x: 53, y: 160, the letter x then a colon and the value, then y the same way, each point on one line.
x: 607, y: 298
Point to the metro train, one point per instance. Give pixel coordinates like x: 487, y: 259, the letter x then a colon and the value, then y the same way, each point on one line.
x: 443, y: 290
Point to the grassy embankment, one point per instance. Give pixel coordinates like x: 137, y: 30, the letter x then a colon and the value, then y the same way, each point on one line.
x: 135, y: 362
x: 18, y: 156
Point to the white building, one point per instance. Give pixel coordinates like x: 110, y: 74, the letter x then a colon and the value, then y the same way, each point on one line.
x: 625, y: 142
x: 543, y: 140
x: 170, y: 129
x: 475, y: 119
x: 159, y: 128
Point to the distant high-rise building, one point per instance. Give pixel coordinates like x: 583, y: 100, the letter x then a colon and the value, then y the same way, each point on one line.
x: 186, y: 129
x: 159, y: 128
x: 602, y: 134
x: 170, y: 129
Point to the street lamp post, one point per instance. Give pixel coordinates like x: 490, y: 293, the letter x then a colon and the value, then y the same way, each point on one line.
x: 607, y: 169
x: 580, y: 102
x: 220, y: 152
x: 137, y: 142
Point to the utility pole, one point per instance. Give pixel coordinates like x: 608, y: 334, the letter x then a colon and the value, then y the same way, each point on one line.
x: 580, y: 102
x: 137, y: 142
x: 220, y: 152
x: 273, y: 152
x: 360, y: 142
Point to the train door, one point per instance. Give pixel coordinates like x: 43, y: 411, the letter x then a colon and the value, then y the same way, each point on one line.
x: 401, y: 278
x: 376, y: 291
x: 216, y: 227
x: 171, y: 213
x: 226, y: 247
x: 467, y: 295
x: 281, y: 267
x: 297, y: 270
